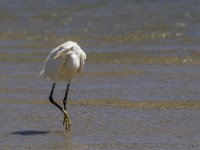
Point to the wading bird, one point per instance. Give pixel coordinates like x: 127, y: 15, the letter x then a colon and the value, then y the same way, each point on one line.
x: 63, y: 64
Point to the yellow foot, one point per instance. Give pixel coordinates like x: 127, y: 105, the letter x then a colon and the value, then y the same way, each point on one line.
x: 66, y: 120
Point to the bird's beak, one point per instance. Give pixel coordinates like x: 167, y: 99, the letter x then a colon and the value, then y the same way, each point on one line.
x: 62, y: 54
x: 59, y: 54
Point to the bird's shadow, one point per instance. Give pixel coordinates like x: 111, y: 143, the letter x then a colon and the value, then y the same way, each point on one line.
x: 30, y: 132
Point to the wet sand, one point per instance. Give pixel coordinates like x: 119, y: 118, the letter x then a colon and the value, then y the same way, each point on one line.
x: 34, y: 126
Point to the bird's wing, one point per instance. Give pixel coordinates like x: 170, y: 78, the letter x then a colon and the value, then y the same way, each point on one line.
x: 81, y: 64
x: 63, y: 52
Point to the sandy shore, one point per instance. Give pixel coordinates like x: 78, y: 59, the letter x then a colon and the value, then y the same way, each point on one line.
x: 100, y: 125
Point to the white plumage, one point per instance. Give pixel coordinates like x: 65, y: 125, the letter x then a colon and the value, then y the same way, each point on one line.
x: 64, y: 62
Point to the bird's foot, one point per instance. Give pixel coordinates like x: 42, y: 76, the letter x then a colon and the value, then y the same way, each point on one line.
x: 66, y: 120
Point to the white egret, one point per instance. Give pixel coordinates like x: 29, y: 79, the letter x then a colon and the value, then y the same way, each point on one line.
x: 63, y: 64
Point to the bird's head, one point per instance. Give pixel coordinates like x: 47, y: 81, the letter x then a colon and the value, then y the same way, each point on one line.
x: 64, y: 51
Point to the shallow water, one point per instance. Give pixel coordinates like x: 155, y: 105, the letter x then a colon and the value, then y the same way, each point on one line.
x: 140, y: 86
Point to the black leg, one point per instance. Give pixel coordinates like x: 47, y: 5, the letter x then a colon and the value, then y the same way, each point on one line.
x: 66, y: 115
x: 65, y: 98
x: 51, y: 98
